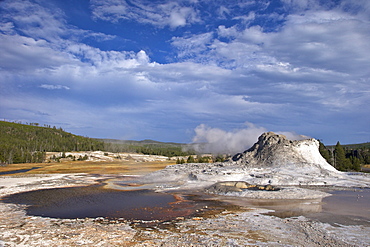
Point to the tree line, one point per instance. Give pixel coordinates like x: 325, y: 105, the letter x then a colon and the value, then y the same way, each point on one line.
x: 21, y: 143
x: 201, y: 159
x: 347, y: 157
x: 164, y: 149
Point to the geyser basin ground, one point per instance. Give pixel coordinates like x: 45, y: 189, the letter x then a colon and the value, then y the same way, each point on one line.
x: 232, y: 227
x: 132, y: 203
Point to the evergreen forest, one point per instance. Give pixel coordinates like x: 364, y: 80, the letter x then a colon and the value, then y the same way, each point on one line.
x: 27, y: 143
x: 346, y: 157
x: 149, y: 147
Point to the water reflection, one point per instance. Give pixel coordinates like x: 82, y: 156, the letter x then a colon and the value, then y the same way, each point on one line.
x: 91, y: 201
x: 346, y: 207
x: 131, y: 200
x: 281, y: 208
x: 97, y: 201
x: 19, y: 171
x: 343, y: 207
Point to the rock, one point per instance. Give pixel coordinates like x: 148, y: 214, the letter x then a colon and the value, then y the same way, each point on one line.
x: 242, y: 185
x: 192, y: 176
x: 269, y: 187
x: 273, y: 150
x: 223, y: 187
x: 237, y: 186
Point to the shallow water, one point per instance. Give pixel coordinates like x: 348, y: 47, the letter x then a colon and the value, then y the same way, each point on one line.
x: 97, y: 201
x: 18, y: 171
x: 345, y: 207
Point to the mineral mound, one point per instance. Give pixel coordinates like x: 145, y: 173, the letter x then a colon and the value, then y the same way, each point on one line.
x: 272, y: 162
x: 273, y: 150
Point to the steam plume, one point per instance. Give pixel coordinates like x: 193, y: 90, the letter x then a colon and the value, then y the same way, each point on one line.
x: 218, y: 141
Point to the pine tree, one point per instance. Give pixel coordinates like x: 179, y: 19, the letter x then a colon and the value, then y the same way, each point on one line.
x: 356, y: 163
x: 324, y: 152
x: 190, y: 159
x: 340, y: 160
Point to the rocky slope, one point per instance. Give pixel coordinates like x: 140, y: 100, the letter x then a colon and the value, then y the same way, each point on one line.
x: 273, y: 150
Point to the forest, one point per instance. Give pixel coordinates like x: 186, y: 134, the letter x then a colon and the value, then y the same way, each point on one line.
x: 346, y: 157
x: 27, y: 143
x: 150, y: 147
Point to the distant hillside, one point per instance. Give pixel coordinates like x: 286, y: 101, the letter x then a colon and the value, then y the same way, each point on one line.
x: 143, y: 142
x: 20, y: 143
x: 353, y: 146
x: 151, y: 147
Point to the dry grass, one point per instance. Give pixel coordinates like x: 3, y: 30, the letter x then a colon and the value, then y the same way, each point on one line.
x: 115, y: 167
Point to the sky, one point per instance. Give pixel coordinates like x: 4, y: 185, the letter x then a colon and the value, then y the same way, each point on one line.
x: 188, y: 70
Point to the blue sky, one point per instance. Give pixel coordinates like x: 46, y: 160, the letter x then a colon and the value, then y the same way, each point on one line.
x: 179, y: 70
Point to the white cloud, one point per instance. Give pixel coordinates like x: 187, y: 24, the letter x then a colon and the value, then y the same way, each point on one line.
x: 302, y: 5
x: 53, y: 87
x: 293, y: 136
x: 223, y: 11
x: 246, y: 18
x: 7, y: 28
x: 169, y: 13
x: 192, y: 46
x: 335, y: 44
x: 35, y: 20
x: 39, y: 22
x: 325, y: 47
x: 215, y: 140
x: 142, y: 57
x: 179, y: 17
x: 24, y: 53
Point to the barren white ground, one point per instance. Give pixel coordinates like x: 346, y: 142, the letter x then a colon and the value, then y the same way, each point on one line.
x: 248, y: 227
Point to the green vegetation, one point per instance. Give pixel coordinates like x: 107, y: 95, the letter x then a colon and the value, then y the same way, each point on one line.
x: 198, y: 159
x: 180, y: 161
x: 21, y: 143
x: 27, y: 143
x: 150, y: 147
x: 346, y: 157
